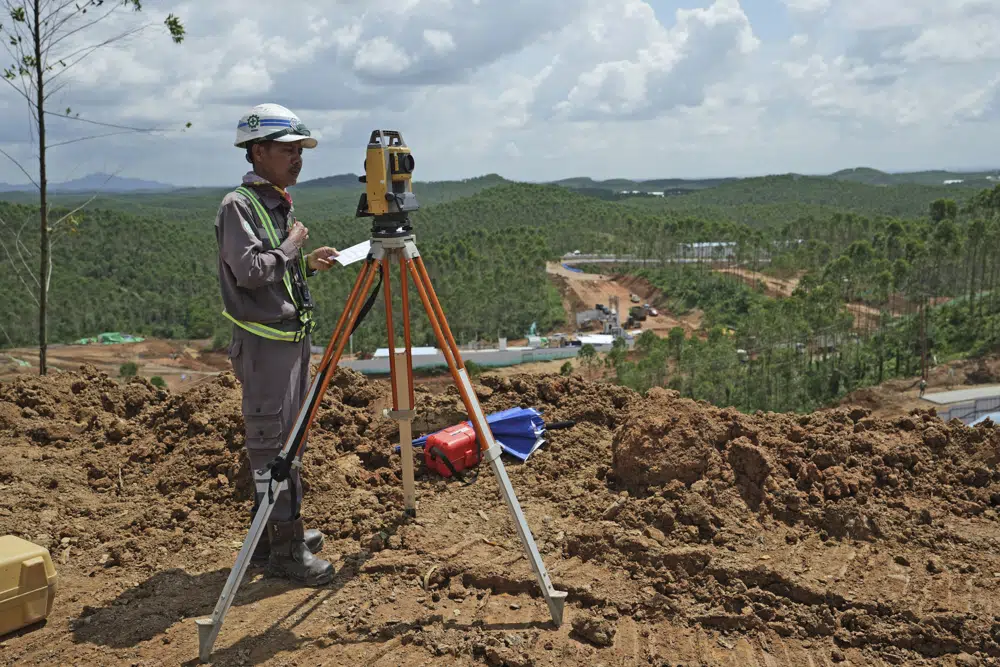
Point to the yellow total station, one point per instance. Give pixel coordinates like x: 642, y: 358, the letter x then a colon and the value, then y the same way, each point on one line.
x: 388, y: 173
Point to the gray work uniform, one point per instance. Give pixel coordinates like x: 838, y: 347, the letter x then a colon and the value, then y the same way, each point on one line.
x: 274, y: 373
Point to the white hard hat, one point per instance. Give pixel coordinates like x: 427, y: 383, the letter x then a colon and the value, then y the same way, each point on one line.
x: 271, y: 122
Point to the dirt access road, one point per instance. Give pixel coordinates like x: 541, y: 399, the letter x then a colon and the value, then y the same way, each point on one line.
x: 866, y: 318
x: 185, y: 364
x: 683, y: 533
x: 582, y: 291
x: 181, y: 363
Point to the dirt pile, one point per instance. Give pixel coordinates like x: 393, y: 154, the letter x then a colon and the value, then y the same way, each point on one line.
x: 837, y: 471
x: 176, y: 459
x: 831, y: 534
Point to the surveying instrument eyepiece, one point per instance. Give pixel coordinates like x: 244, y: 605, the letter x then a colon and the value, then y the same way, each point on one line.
x: 388, y: 199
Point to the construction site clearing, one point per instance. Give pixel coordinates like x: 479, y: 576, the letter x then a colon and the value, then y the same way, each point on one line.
x: 685, y: 534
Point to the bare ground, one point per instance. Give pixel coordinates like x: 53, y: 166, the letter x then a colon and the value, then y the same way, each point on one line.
x: 181, y: 363
x: 582, y: 291
x: 684, y: 534
x: 900, y: 396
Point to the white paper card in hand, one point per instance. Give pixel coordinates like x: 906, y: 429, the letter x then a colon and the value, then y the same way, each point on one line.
x: 353, y: 254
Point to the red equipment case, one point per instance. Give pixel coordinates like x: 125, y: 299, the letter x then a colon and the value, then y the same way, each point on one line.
x: 458, y: 443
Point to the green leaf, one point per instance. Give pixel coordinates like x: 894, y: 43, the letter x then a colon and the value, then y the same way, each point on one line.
x: 174, y: 26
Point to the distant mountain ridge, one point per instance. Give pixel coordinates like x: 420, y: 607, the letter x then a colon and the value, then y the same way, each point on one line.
x: 862, y: 175
x: 351, y: 181
x: 96, y: 183
x: 868, y: 176
x: 107, y: 183
x: 650, y: 185
x: 335, y: 181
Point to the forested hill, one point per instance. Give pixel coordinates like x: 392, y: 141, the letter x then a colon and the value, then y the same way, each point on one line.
x: 152, y: 269
x: 781, y: 199
x: 975, y: 179
x: 337, y: 195
x: 863, y: 175
x: 146, y: 263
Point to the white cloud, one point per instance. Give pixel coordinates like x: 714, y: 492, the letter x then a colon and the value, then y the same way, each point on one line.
x: 641, y: 68
x: 807, y: 6
x: 440, y: 40
x: 378, y: 56
x: 539, y: 90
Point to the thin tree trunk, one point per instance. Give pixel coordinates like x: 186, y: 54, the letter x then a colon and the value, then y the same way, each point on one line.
x: 43, y: 271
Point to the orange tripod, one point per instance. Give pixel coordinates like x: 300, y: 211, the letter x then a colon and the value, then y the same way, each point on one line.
x: 387, y: 241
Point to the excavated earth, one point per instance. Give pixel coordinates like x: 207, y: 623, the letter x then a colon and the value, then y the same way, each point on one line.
x: 684, y: 534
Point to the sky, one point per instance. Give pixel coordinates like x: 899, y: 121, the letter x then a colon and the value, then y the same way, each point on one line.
x: 533, y: 90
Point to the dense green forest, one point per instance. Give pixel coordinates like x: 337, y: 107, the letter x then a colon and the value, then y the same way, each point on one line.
x: 864, y: 175
x: 151, y: 269
x: 146, y: 264
x: 863, y: 310
x: 756, y: 200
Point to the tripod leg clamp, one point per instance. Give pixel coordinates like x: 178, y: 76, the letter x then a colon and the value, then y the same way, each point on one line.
x: 492, y: 453
x: 281, y: 469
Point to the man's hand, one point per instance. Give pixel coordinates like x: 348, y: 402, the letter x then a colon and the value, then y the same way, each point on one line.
x: 321, y: 259
x: 298, y: 234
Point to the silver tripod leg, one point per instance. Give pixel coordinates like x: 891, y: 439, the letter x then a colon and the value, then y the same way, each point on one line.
x: 555, y: 599
x: 208, y: 628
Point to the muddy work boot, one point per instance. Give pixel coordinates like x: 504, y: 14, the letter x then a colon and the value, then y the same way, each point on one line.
x: 290, y: 556
x: 313, y: 538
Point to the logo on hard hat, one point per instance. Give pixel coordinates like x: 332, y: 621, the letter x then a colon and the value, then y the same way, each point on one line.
x: 253, y: 122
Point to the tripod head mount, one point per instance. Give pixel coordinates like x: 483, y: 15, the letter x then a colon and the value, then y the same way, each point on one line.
x: 388, y: 197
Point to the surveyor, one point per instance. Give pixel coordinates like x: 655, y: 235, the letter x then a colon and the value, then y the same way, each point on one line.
x: 262, y: 275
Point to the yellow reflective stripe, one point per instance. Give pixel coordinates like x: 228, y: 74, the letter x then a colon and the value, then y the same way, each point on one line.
x: 306, y: 317
x: 263, y: 330
x: 265, y: 220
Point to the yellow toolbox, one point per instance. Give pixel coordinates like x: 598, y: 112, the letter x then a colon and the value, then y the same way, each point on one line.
x: 27, y: 583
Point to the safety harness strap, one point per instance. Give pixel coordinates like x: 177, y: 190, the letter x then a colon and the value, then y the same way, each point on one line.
x: 305, y: 317
x: 271, y: 333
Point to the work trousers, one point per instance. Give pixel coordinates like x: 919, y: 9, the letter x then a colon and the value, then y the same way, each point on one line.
x: 275, y: 379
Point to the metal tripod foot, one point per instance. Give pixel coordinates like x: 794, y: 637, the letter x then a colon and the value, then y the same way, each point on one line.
x: 555, y: 599
x: 206, y: 638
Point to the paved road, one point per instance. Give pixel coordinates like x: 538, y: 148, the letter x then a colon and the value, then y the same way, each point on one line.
x: 963, y: 395
x: 614, y: 259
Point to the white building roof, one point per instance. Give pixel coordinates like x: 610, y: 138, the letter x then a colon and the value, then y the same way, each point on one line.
x: 417, y: 351
x: 596, y: 339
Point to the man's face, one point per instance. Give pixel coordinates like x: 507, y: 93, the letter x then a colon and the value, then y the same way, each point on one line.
x: 280, y: 162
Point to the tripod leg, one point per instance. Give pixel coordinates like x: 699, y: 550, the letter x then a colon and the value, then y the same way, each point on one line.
x: 340, y: 329
x: 400, y: 407
x: 389, y: 328
x: 330, y: 361
x: 406, y: 397
x: 404, y: 418
x: 208, y: 628
x: 405, y: 293
x: 555, y: 599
